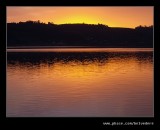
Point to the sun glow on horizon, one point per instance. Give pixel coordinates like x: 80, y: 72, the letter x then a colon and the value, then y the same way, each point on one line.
x: 111, y: 16
x: 79, y: 19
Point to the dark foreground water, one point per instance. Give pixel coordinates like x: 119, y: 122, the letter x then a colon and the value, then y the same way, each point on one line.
x: 80, y: 82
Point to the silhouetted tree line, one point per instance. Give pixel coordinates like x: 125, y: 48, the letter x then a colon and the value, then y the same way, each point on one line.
x: 35, y: 33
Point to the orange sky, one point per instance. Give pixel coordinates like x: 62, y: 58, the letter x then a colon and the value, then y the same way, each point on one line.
x: 112, y: 16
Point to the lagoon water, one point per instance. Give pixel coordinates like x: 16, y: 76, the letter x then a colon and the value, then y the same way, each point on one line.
x: 80, y: 82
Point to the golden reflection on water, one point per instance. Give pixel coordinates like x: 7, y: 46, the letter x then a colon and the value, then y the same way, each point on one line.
x: 108, y: 86
x: 64, y: 49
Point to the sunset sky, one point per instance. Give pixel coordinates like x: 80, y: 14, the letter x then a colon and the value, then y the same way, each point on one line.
x: 111, y: 16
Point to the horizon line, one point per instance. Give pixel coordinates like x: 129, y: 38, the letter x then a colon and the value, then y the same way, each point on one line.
x: 38, y: 21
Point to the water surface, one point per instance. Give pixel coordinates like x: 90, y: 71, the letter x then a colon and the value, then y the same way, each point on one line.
x: 81, y: 82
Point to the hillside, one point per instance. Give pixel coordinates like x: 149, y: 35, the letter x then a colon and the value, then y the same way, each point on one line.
x: 39, y: 34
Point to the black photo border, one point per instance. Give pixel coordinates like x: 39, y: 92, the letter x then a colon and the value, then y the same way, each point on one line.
x: 78, y: 121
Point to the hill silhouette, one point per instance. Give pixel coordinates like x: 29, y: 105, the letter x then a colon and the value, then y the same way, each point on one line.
x: 34, y: 33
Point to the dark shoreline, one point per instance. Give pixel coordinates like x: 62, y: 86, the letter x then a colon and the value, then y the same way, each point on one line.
x: 56, y: 47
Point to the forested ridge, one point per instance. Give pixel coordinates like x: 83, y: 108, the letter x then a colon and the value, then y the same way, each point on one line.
x: 35, y: 33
